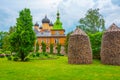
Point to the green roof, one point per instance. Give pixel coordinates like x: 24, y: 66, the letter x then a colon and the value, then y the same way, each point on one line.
x: 58, y: 23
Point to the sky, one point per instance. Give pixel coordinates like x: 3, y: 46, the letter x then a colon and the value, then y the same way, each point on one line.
x: 70, y: 11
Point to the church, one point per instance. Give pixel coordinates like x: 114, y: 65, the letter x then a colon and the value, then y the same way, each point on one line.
x: 50, y: 33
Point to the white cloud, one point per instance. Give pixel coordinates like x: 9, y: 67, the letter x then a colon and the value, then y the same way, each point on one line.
x: 71, y: 11
x: 110, y: 12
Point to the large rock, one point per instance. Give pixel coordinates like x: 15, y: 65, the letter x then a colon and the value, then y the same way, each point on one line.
x: 79, y: 48
x: 110, y: 51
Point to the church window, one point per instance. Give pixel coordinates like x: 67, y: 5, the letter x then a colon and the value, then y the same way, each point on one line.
x: 56, y: 41
x: 57, y: 32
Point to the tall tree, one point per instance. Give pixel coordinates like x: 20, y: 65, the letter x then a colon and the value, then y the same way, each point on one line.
x: 2, y: 37
x: 22, y: 40
x: 67, y: 42
x: 92, y: 22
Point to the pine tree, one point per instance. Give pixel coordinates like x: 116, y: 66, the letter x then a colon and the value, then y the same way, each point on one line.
x: 22, y: 40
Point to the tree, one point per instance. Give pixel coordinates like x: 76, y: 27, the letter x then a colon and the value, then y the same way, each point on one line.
x: 22, y: 40
x: 66, y: 42
x: 92, y: 22
x: 6, y: 43
x: 2, y: 37
x: 43, y: 47
x: 37, y: 46
x: 95, y: 40
x: 58, y: 48
x: 12, y: 29
x: 51, y: 48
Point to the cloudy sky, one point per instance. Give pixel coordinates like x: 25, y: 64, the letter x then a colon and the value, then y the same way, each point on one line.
x: 70, y: 11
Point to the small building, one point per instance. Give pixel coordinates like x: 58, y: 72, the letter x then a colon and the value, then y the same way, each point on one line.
x: 110, y: 49
x: 79, y: 50
x: 50, y: 33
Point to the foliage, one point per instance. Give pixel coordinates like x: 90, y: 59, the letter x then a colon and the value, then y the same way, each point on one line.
x: 95, y: 40
x: 92, y: 22
x: 12, y: 29
x: 1, y: 52
x: 66, y: 42
x: 7, y: 52
x: 43, y: 47
x: 37, y: 46
x: 2, y: 35
x: 22, y: 40
x: 58, y: 48
x: 37, y: 54
x: 9, y: 58
x: 27, y: 59
x: 57, y: 69
x: 51, y: 48
x: 6, y: 44
x: 15, y: 59
x: 2, y: 55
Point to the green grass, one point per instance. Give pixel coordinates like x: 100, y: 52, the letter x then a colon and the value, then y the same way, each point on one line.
x: 56, y: 69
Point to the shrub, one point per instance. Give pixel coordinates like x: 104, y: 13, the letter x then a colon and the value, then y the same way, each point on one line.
x: 33, y: 54
x: 2, y: 55
x: 27, y: 59
x: 1, y: 52
x: 44, y: 53
x: 37, y: 47
x: 95, y: 40
x: 9, y: 58
x: 15, y: 59
x: 37, y: 54
x: 43, y: 47
x: 58, y: 48
x: 66, y: 42
x: 8, y: 53
x: 51, y: 48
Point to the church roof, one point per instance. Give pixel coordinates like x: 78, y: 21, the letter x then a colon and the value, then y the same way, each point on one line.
x: 45, y: 20
x: 36, y: 24
x: 58, y: 23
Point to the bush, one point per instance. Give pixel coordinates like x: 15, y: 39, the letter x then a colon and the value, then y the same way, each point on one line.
x: 51, y: 48
x: 45, y: 53
x: 1, y: 52
x: 43, y: 47
x: 58, y: 48
x: 2, y: 55
x: 27, y: 59
x: 9, y: 58
x: 7, y: 52
x: 37, y: 46
x: 15, y: 59
x: 37, y: 54
x: 95, y: 40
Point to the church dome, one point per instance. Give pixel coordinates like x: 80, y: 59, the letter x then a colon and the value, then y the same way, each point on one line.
x: 45, y: 20
x: 36, y: 24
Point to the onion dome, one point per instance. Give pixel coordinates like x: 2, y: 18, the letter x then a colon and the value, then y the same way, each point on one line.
x: 36, y: 24
x: 45, y: 20
x: 51, y: 24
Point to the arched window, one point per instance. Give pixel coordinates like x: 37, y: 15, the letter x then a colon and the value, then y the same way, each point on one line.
x: 57, y: 32
x: 56, y: 41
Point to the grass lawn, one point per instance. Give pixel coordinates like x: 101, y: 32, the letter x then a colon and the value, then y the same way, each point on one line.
x: 56, y: 69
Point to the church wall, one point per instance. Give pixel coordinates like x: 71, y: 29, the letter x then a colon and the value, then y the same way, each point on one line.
x: 45, y: 26
x: 61, y: 32
x: 61, y: 41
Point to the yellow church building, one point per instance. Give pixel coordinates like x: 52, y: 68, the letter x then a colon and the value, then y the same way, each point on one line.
x: 50, y: 33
